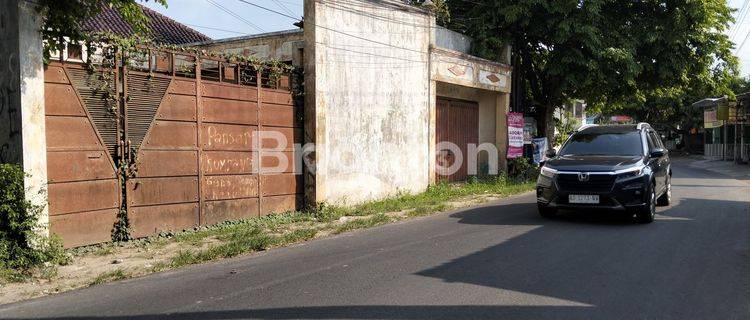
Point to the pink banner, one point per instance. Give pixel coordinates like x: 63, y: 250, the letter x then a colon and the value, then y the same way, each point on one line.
x: 515, y: 135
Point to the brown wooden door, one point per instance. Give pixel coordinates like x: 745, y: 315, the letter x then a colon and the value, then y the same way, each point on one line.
x: 457, y: 123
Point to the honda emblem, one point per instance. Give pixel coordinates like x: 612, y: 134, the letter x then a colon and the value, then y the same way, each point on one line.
x: 583, y: 176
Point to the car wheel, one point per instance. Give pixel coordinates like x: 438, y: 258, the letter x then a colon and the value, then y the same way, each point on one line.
x: 545, y: 211
x: 666, y: 198
x: 648, y: 212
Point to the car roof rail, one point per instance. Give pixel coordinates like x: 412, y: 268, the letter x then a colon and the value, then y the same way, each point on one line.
x: 586, y: 126
x: 643, y: 125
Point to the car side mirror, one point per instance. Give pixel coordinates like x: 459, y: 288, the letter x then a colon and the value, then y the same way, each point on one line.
x: 658, y: 153
x: 551, y: 153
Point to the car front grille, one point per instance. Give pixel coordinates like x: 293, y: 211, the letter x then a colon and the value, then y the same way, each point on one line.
x: 595, y: 183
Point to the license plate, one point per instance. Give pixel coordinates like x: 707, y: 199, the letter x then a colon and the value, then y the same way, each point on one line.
x: 583, y: 198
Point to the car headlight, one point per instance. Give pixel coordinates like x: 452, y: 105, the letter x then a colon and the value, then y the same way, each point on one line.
x: 548, y: 172
x: 629, y: 173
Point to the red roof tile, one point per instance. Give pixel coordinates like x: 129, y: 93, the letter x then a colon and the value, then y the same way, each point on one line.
x: 163, y: 29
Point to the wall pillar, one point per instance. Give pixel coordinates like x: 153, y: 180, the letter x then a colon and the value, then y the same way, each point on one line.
x: 22, y: 124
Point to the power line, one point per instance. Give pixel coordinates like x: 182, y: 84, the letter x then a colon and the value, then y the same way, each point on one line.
x: 214, y: 28
x: 282, y: 6
x: 743, y: 43
x: 741, y: 17
x: 233, y: 14
x: 292, y: 3
x: 370, y: 53
x: 270, y: 10
x: 359, y: 9
x: 333, y: 30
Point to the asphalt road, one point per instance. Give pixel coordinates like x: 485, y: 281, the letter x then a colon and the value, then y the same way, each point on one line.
x: 499, y: 261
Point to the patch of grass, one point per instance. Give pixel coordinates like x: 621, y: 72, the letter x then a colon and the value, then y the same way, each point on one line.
x: 8, y: 275
x: 104, y: 250
x: 236, y: 243
x: 441, y: 193
x: 297, y: 236
x: 114, y: 275
x: 426, y: 210
x: 272, y: 223
x: 251, y: 235
x: 255, y: 234
x: 375, y: 220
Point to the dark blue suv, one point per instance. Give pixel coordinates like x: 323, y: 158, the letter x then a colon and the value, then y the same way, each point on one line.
x: 623, y: 168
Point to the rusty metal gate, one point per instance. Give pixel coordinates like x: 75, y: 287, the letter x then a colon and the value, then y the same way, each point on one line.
x: 184, y: 128
x: 457, y: 123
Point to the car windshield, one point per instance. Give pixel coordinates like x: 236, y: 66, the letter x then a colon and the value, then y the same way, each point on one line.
x: 604, y: 144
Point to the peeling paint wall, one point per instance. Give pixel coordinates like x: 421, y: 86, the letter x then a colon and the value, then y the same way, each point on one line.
x: 282, y: 45
x: 22, y: 126
x: 465, y: 70
x: 371, y: 97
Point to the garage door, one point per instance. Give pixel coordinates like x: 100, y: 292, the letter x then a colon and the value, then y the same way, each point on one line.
x: 457, y: 124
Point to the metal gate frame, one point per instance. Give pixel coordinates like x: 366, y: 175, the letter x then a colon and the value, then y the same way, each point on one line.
x: 184, y: 126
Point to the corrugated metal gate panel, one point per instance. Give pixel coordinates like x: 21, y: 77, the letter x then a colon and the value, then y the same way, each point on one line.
x: 145, y: 94
x: 281, y: 191
x: 458, y: 123
x: 193, y: 152
x: 94, y: 97
x: 215, y: 147
x: 83, y: 188
x: 162, y: 113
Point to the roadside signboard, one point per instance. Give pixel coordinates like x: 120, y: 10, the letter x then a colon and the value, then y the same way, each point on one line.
x: 529, y: 130
x: 515, y: 135
x: 540, y: 149
x: 710, y: 118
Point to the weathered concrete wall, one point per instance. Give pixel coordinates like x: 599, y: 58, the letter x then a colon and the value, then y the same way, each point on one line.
x: 282, y: 45
x: 465, y: 70
x: 371, y: 98
x: 449, y: 39
x: 22, y: 126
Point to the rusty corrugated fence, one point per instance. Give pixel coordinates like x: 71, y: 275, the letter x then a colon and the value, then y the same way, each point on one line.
x: 186, y: 123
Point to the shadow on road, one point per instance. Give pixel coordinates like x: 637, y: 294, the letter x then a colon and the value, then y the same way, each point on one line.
x: 581, y: 265
x: 612, y: 264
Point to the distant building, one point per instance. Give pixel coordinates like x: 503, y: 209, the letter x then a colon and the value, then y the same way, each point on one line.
x: 286, y: 46
x: 723, y: 127
x: 576, y: 109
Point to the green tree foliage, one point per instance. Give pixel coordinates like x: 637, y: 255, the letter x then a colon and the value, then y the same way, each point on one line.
x: 439, y: 7
x: 565, y: 125
x: 66, y: 18
x: 643, y: 56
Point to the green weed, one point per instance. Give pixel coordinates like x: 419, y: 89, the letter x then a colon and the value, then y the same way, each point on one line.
x: 109, y: 276
x: 375, y: 220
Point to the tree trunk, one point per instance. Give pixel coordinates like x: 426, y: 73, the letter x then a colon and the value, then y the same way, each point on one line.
x: 549, y: 124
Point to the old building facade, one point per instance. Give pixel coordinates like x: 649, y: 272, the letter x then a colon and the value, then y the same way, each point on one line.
x: 392, y: 103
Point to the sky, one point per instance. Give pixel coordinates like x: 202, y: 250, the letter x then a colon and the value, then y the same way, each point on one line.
x: 741, y: 32
x: 214, y: 22
x: 201, y: 15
